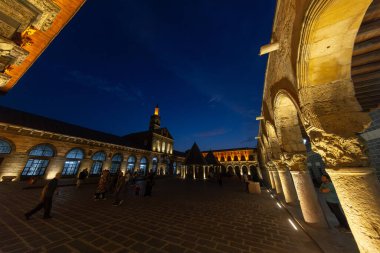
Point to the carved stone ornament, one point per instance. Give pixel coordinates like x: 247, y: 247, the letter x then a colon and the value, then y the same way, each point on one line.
x: 4, y: 79
x: 10, y: 49
x: 295, y: 161
x: 49, y: 12
x: 280, y: 165
x: 338, y: 151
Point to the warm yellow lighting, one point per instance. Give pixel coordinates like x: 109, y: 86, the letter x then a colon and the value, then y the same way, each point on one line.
x: 269, y: 48
x: 259, y: 117
x: 156, y: 110
x: 278, y: 204
x: 293, y: 225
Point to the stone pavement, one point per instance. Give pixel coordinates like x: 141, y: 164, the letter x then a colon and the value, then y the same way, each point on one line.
x: 180, y: 217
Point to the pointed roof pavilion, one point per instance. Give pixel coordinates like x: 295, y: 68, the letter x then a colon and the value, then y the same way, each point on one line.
x: 195, y: 156
x: 211, y: 159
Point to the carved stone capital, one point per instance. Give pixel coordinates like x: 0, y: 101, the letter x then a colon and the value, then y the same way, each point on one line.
x: 295, y: 161
x: 49, y: 11
x: 4, y: 79
x: 338, y: 151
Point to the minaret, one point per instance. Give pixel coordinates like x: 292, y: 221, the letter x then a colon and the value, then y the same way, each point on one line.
x: 155, y: 119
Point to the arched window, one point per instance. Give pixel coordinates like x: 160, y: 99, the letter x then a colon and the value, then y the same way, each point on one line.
x: 116, y: 163
x: 251, y: 158
x: 73, y: 158
x: 223, y: 159
x: 97, y: 165
x: 229, y: 158
x: 154, y: 164
x: 38, y: 161
x: 242, y: 158
x: 163, y: 147
x: 131, y: 163
x: 143, y: 165
x: 236, y: 158
x: 5, y: 147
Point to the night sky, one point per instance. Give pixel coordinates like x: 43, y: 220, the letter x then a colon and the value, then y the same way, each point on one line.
x: 115, y: 60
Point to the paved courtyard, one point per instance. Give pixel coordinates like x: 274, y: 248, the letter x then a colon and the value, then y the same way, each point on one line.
x: 179, y: 217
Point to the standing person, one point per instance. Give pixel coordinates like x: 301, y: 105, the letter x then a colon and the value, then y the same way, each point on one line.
x: 246, y: 182
x: 328, y: 190
x: 46, y: 199
x: 82, y: 176
x: 149, y: 185
x: 220, y: 182
x: 102, y: 186
x: 119, y: 189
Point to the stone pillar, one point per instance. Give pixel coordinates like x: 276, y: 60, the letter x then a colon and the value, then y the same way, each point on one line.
x: 55, y: 166
x: 288, y: 186
x: 276, y: 178
x: 359, y: 193
x: 193, y: 172
x: 259, y: 172
x: 311, y: 209
x: 272, y: 182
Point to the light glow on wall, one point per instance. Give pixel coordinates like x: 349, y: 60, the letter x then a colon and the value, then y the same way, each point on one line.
x: 293, y: 225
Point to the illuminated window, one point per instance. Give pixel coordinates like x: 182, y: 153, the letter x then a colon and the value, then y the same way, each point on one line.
x: 143, y: 165
x: 116, y: 163
x: 154, y: 164
x: 37, y: 164
x: 73, y: 158
x: 97, y: 165
x: 5, y: 147
x: 163, y: 146
x: 131, y: 163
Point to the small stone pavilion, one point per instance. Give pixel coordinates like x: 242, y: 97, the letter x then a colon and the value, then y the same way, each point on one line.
x: 197, y: 166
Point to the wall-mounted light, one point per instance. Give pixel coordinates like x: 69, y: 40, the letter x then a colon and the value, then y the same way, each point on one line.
x: 269, y: 48
x: 293, y: 225
x: 260, y: 118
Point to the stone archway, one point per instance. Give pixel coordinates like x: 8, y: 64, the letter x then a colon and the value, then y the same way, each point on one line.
x: 333, y: 114
x: 290, y: 136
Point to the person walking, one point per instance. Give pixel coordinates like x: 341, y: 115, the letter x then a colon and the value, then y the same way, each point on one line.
x: 82, y: 176
x: 246, y: 182
x: 119, y: 189
x: 46, y: 199
x: 328, y: 190
x: 102, y: 186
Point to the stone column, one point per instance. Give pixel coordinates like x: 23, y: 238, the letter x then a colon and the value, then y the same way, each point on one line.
x: 287, y: 185
x: 276, y: 178
x: 272, y: 182
x: 359, y: 193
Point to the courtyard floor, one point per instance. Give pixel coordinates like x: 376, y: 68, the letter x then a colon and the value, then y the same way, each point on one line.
x: 180, y: 217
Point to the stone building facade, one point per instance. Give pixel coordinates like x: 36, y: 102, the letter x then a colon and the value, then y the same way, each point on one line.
x: 35, y: 146
x: 26, y: 28
x: 237, y: 161
x: 322, y: 86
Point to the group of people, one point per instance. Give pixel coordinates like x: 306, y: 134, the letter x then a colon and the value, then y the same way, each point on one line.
x: 117, y: 185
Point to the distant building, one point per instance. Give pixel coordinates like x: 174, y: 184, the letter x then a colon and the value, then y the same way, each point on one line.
x: 36, y: 146
x: 199, y: 165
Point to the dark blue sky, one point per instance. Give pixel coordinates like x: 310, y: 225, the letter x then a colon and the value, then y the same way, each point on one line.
x: 197, y: 59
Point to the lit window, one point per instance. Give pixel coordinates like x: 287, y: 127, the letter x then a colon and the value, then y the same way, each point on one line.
x: 73, y: 159
x: 131, y: 163
x: 97, y: 165
x: 116, y: 163
x: 37, y: 164
x: 143, y: 165
x: 5, y: 147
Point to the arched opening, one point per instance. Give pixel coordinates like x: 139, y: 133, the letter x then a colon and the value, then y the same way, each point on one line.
x: 245, y: 169
x: 131, y: 162
x: 273, y: 141
x: 72, y: 163
x: 242, y: 158
x: 236, y: 159
x: 154, y: 164
x: 5, y: 149
x: 230, y: 170
x: 237, y: 171
x: 222, y: 159
x: 175, y: 168
x: 39, y: 157
x: 143, y: 166
x: 97, y: 165
x: 254, y: 175
x: 116, y: 163
x: 229, y: 159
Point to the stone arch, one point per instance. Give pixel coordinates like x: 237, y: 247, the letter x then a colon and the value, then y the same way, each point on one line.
x: 273, y: 140
x: 324, y: 82
x: 288, y: 124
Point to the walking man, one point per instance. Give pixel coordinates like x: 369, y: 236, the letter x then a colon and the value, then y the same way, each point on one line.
x: 328, y: 190
x: 46, y: 199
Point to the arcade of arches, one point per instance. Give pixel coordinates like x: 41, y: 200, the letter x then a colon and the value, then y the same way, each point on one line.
x: 322, y: 88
